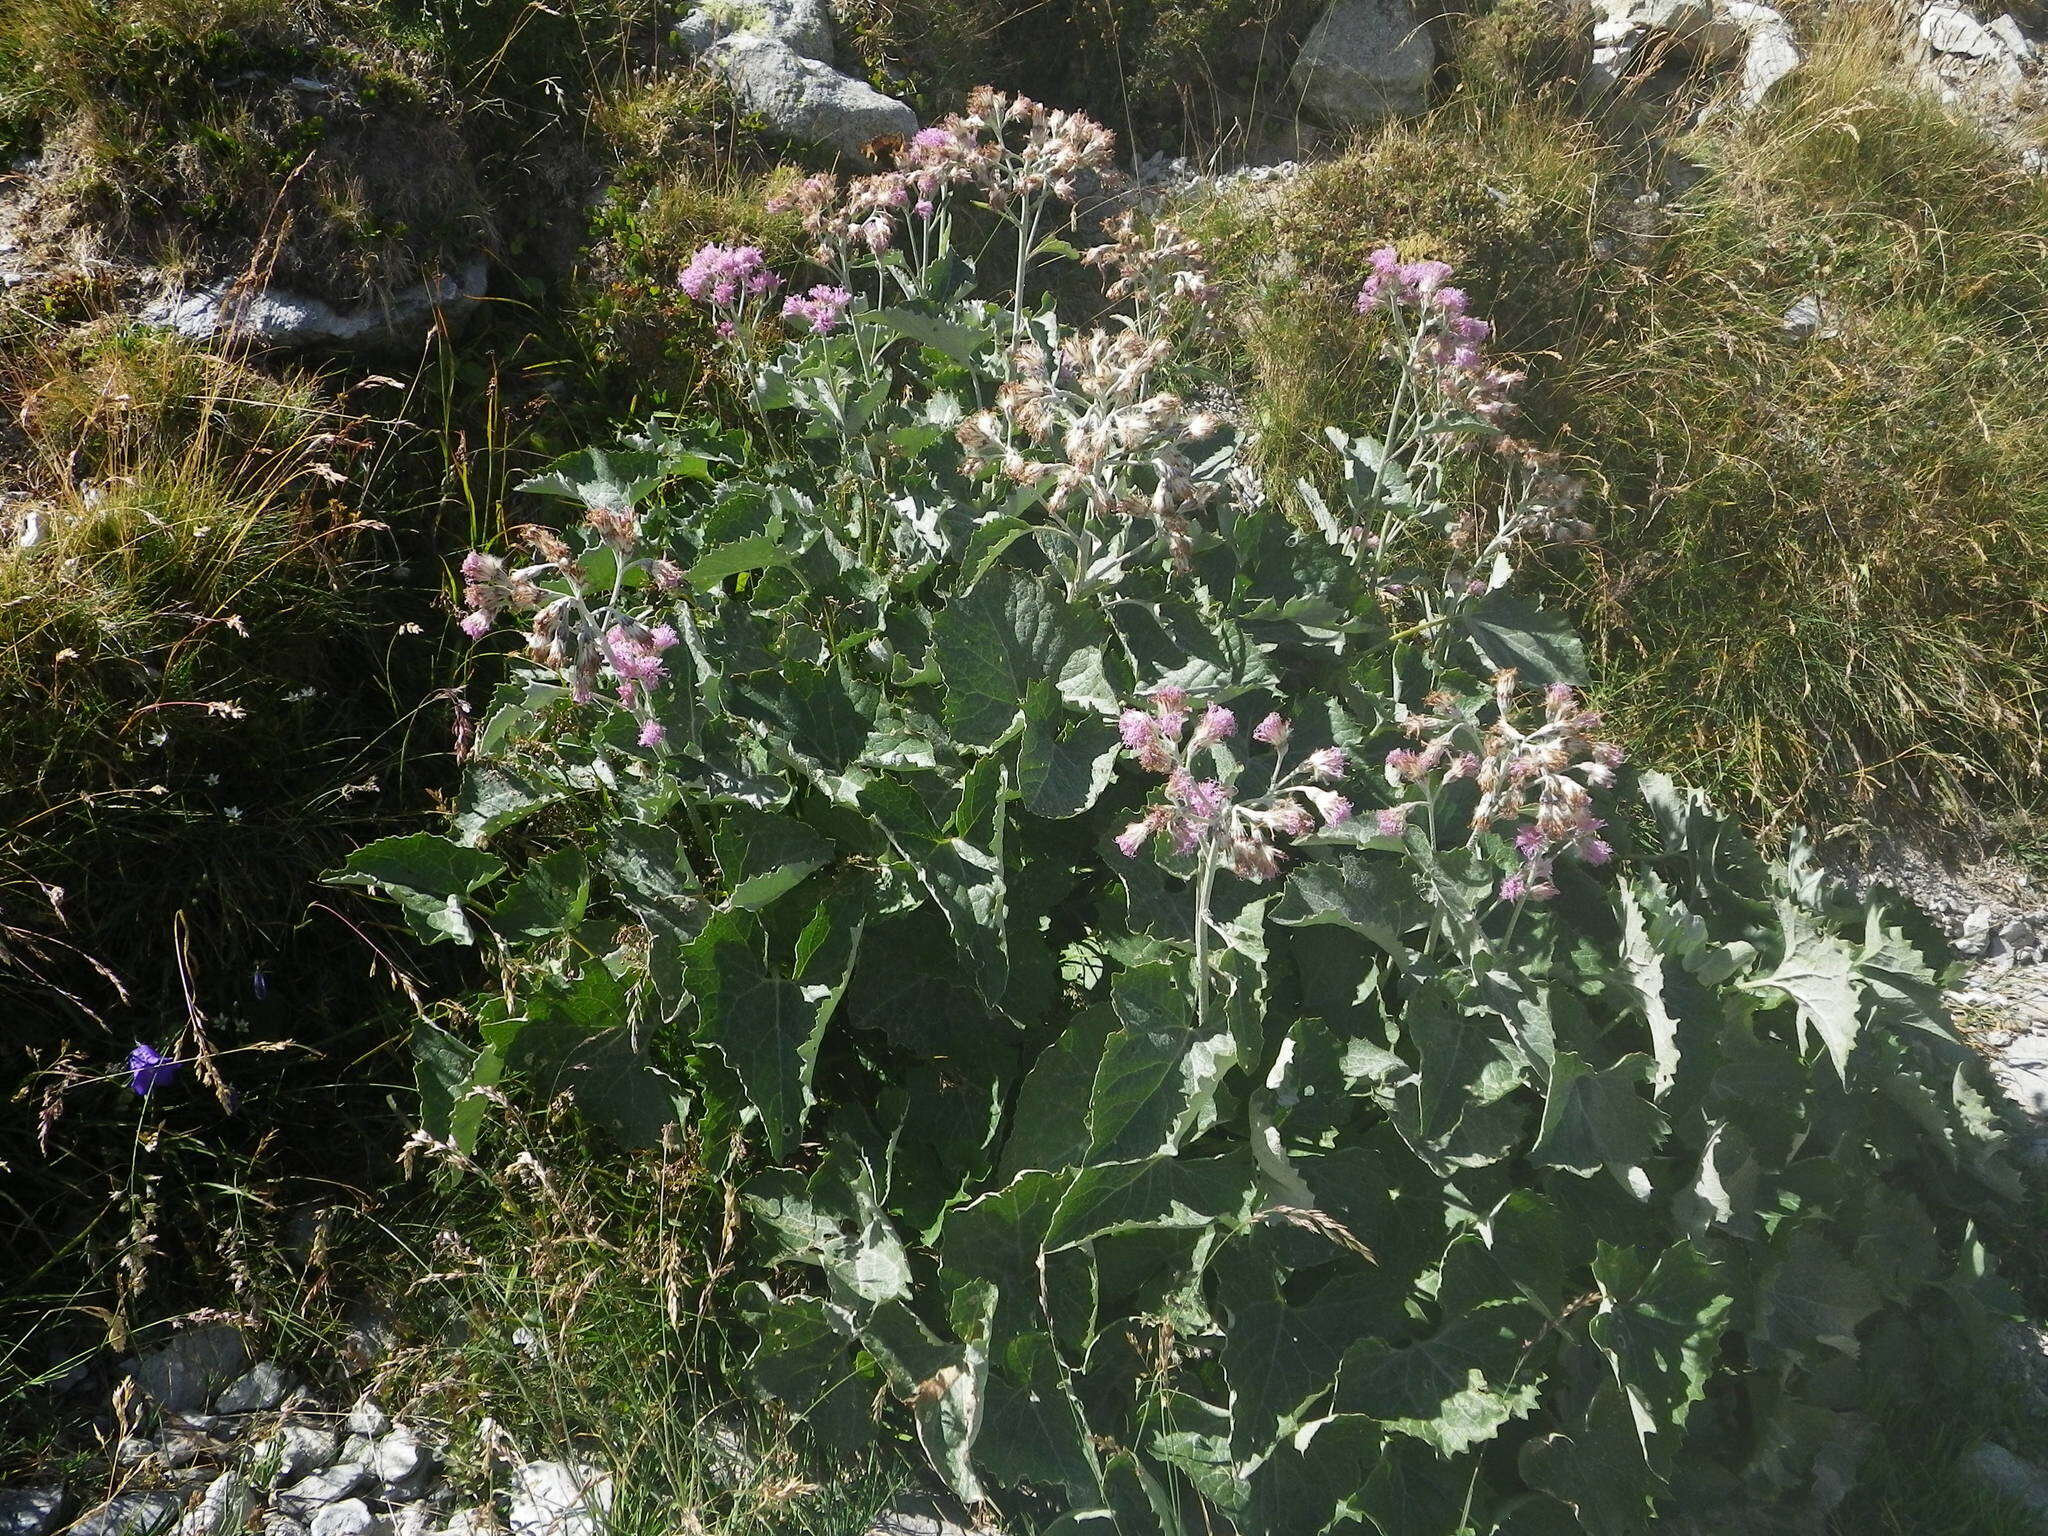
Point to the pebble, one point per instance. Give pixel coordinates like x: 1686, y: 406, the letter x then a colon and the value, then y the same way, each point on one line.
x: 29, y: 1511
x: 350, y: 1517
x: 257, y: 1390
x: 326, y: 1487
x: 276, y: 1524
x: 401, y: 1463
x: 299, y: 1449
x: 129, y: 1514
x: 1999, y: 1471
x: 191, y: 1367
x: 222, y: 1510
x: 553, y: 1498
x: 133, y: 1451
x: 366, y: 1418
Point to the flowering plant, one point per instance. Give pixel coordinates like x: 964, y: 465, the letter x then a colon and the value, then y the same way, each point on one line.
x: 1395, y: 1111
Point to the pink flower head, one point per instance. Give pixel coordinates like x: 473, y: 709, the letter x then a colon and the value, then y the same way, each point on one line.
x: 1272, y: 730
x: 1133, y: 837
x: 1392, y: 821
x: 1218, y: 724
x: 1404, y: 765
x: 662, y: 636
x: 651, y: 733
x: 1513, y: 888
x: 718, y: 274
x: 476, y: 625
x: 822, y: 309
x: 1327, y: 764
x: 1529, y: 842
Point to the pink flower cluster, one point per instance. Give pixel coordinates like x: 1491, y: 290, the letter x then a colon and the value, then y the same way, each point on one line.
x: 822, y: 309
x: 727, y: 278
x: 1446, y: 347
x: 1546, y: 772
x: 563, y: 631
x: 1009, y: 149
x: 1199, y: 813
x: 635, y: 655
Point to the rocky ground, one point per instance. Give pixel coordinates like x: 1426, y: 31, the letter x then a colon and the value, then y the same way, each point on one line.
x: 203, y: 1439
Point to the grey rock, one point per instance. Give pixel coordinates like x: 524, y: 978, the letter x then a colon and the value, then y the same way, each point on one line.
x: 1807, y: 317
x: 257, y: 1390
x: 2022, y: 1070
x: 357, y: 1448
x: 184, y: 1373
x: 326, y: 1487
x: 803, y: 99
x: 29, y: 1511
x: 1365, y: 61
x: 367, y: 1419
x: 279, y: 1524
x: 372, y: 1332
x: 276, y: 317
x: 1729, y: 34
x: 223, y: 1509
x: 411, y: 1519
x: 1998, y: 1471
x: 350, y: 1517
x: 183, y: 1447
x: 806, y: 25
x: 554, y: 1498
x: 917, y: 1519
x: 298, y: 1450
x: 1976, y: 935
x: 401, y: 1463
x: 133, y: 1451
x: 130, y: 1514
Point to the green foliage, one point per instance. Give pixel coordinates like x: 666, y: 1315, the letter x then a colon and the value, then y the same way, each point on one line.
x: 1151, y: 1198
x: 1815, y: 561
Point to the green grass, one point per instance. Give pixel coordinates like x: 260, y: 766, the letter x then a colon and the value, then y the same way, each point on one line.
x: 586, y: 1306
x: 1821, y: 568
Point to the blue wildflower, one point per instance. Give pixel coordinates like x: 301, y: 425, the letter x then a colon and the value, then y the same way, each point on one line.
x: 147, y: 1071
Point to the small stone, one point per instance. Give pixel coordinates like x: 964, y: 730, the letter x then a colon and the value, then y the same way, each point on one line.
x: 257, y: 1390
x: 401, y: 1463
x: 351, y: 1517
x: 29, y: 1511
x: 803, y: 99
x: 195, y: 1364
x: 180, y: 1445
x: 327, y: 1486
x: 276, y: 1524
x: 553, y: 1498
x: 130, y: 1514
x: 1365, y: 61
x: 917, y: 1520
x: 222, y: 1510
x: 299, y: 1449
x: 133, y: 1451
x: 805, y: 25
x: 414, y: 1519
x: 1976, y: 935
x: 1999, y: 1471
x: 366, y: 1418
x: 1807, y: 318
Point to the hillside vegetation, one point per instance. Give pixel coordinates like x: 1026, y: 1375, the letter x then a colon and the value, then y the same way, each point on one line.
x: 1143, y: 859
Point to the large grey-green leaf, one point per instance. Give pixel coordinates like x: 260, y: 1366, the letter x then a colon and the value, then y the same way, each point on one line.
x: 428, y: 876
x: 763, y: 1022
x: 1508, y: 630
x: 762, y: 856
x: 1659, y: 1325
x: 1451, y: 1390
x: 1596, y: 1119
x: 1063, y: 763
x: 1818, y: 972
x: 1369, y: 894
x: 1012, y: 631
